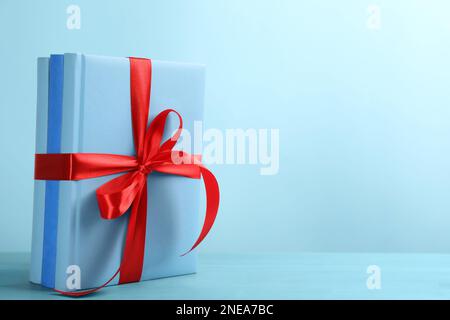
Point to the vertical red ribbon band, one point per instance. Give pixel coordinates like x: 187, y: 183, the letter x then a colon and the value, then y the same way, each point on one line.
x: 129, y: 190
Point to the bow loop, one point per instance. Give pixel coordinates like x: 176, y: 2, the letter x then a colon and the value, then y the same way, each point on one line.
x: 154, y: 134
x: 116, y: 196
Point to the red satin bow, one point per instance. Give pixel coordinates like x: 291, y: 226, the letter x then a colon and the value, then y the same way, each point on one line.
x: 130, y: 189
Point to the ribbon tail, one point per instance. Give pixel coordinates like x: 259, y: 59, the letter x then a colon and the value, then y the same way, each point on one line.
x: 86, y: 292
x: 212, y: 205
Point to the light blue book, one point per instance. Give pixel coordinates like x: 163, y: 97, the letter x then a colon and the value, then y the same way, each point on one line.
x: 39, y: 185
x: 96, y: 117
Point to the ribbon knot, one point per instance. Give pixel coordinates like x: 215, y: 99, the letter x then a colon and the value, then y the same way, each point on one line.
x: 146, y: 170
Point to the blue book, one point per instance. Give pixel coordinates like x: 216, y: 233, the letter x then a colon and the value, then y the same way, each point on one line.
x: 96, y: 118
x: 39, y: 185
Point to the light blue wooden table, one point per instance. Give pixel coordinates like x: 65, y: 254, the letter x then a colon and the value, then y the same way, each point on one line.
x: 267, y: 276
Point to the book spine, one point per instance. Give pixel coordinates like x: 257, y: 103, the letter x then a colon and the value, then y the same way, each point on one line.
x: 39, y: 185
x: 52, y: 187
x: 70, y: 143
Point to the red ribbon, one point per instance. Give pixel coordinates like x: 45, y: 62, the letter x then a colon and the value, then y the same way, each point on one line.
x: 116, y: 196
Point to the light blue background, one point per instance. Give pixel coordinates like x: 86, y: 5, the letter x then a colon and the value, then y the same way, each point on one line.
x: 363, y: 115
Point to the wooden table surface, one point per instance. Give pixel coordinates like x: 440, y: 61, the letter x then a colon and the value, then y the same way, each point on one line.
x: 267, y: 276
